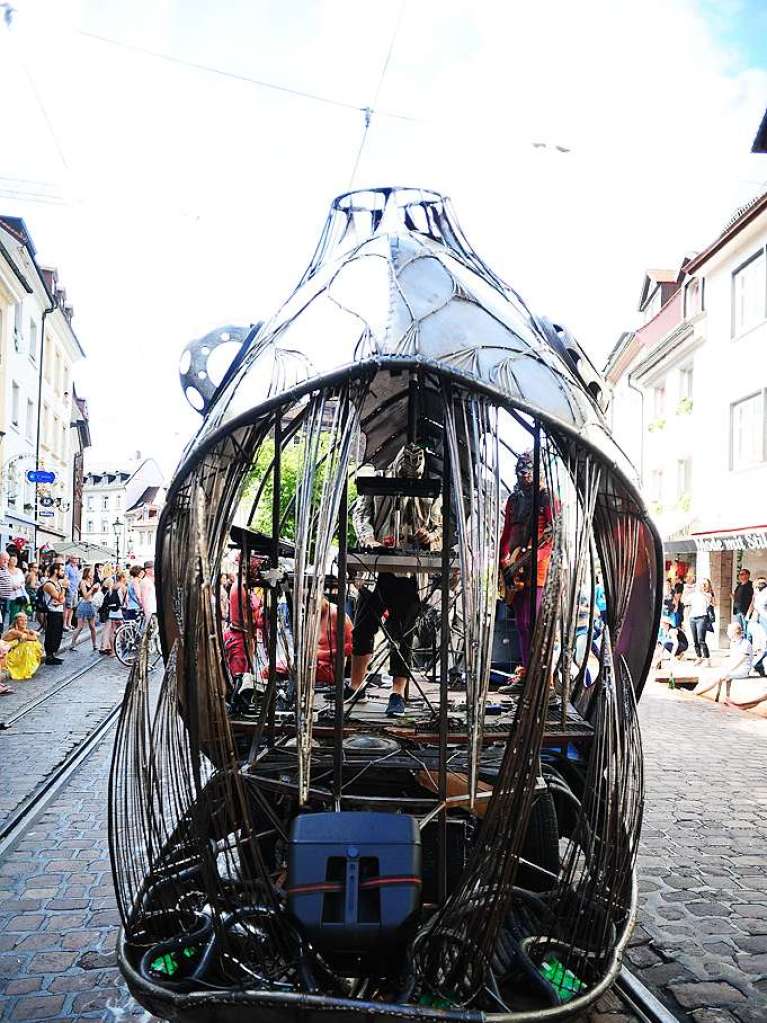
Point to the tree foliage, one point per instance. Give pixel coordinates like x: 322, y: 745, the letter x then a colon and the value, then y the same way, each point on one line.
x: 291, y: 472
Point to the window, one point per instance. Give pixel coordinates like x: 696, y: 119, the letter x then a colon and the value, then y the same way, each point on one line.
x: 683, y: 476
x: 63, y: 442
x: 29, y: 427
x: 47, y: 360
x: 747, y: 431
x: 693, y: 297
x: 55, y: 434
x: 57, y: 377
x: 105, y: 502
x: 32, y: 340
x: 104, y: 526
x: 17, y: 326
x: 749, y: 294
x: 685, y: 382
x: 46, y: 425
x: 89, y: 526
x: 89, y: 503
x: 659, y: 401
x: 118, y: 501
x: 15, y: 404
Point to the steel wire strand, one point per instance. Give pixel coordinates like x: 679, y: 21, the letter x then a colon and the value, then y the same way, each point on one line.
x: 480, y: 903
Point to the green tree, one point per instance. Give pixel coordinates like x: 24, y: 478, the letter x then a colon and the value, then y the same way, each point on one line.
x: 291, y: 472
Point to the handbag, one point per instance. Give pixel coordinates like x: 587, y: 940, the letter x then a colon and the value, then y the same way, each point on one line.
x: 711, y: 613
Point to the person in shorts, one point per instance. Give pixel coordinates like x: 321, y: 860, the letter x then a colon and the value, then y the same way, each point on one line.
x: 85, y: 611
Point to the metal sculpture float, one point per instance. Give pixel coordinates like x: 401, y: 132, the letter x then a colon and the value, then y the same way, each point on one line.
x: 293, y: 838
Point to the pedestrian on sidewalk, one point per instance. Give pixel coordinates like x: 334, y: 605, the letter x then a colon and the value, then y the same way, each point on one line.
x: 758, y: 623
x: 133, y: 596
x: 148, y: 595
x: 18, y: 598
x: 54, y: 596
x: 702, y: 619
x: 737, y: 665
x: 72, y: 572
x: 111, y: 612
x: 742, y: 596
x: 6, y: 589
x: 85, y: 612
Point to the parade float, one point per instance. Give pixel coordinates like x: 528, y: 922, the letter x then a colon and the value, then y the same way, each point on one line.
x: 288, y: 839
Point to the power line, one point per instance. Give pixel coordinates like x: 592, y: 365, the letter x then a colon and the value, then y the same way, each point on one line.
x: 236, y: 76
x: 369, y: 111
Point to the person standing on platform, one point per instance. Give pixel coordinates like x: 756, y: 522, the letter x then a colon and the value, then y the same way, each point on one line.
x: 516, y: 549
x: 388, y: 521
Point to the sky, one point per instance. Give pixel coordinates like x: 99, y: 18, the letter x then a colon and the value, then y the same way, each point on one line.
x: 174, y: 199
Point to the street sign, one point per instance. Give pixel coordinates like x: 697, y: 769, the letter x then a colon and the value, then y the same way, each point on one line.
x: 47, y: 514
x: 40, y: 476
x: 46, y: 502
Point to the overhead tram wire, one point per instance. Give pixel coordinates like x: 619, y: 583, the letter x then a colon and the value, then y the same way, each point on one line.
x: 369, y: 111
x: 239, y: 77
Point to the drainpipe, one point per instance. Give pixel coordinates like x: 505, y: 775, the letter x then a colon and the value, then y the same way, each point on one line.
x: 46, y: 313
x: 640, y: 392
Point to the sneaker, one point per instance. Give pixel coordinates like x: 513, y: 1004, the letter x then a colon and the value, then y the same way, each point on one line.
x: 53, y: 660
x: 396, y: 706
x: 360, y: 695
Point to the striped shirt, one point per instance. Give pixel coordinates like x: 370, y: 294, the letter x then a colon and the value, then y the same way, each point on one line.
x: 7, y: 584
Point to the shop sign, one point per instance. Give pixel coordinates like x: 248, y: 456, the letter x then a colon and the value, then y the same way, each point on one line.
x: 733, y: 542
x: 47, y: 514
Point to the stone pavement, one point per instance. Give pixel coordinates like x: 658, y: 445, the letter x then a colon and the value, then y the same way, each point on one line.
x: 32, y: 747
x: 701, y: 944
x: 702, y: 941
x: 58, y: 921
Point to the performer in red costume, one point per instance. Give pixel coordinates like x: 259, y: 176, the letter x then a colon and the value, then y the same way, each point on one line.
x: 516, y: 549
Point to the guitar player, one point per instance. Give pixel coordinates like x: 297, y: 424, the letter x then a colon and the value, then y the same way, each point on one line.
x: 516, y: 549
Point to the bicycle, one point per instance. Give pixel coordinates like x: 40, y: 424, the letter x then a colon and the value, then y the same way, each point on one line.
x: 128, y: 637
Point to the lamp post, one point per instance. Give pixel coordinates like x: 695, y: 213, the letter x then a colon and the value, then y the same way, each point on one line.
x: 117, y: 525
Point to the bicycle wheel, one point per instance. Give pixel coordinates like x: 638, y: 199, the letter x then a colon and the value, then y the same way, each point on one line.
x: 126, y: 643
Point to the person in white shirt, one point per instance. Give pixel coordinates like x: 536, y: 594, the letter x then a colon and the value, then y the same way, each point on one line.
x: 759, y: 618
x: 701, y: 599
x: 147, y: 593
x: 737, y: 665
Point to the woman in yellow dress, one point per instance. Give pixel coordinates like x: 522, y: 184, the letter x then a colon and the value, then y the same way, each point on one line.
x: 26, y: 653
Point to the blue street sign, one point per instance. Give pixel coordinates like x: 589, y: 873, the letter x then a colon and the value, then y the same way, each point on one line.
x: 47, y: 514
x: 40, y: 476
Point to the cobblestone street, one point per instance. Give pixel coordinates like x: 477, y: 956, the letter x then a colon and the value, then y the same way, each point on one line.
x: 701, y: 944
x: 702, y: 865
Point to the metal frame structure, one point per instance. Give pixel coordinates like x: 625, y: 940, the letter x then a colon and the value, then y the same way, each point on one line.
x: 397, y: 332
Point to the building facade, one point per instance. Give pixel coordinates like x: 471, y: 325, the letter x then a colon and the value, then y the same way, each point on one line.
x: 38, y: 350
x: 690, y: 406
x: 114, y: 501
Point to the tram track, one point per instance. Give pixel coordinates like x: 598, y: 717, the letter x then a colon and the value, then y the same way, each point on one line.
x: 640, y: 1000
x: 14, y: 827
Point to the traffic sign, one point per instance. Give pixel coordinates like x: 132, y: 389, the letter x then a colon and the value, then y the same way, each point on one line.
x: 47, y: 514
x: 40, y: 476
x: 46, y: 502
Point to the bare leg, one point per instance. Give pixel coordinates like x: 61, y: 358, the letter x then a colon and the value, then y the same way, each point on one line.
x: 92, y: 627
x: 67, y: 617
x: 77, y: 632
x: 360, y: 664
x: 700, y: 689
x: 398, y: 685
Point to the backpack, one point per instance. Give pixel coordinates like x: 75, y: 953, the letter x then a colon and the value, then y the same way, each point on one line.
x: 40, y: 600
